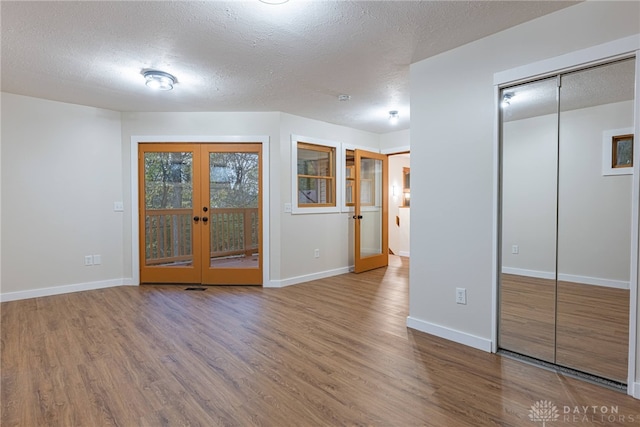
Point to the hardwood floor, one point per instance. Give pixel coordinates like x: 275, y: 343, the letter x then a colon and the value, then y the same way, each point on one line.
x: 528, y: 316
x: 331, y: 352
x: 593, y: 329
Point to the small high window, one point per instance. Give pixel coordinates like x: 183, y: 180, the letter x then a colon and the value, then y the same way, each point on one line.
x: 622, y: 151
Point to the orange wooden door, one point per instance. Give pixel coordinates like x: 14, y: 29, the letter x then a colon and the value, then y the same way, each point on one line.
x: 231, y: 212
x: 200, y: 213
x: 371, y: 211
x: 169, y: 193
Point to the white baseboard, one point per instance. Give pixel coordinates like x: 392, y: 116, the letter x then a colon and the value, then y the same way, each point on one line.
x: 64, y: 289
x: 529, y: 273
x: 450, y: 334
x: 306, y: 278
x: 404, y: 253
x: 585, y: 280
x: 635, y: 390
x: 597, y: 281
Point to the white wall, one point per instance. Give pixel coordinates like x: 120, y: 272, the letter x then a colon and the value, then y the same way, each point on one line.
x: 593, y: 248
x: 64, y: 166
x: 332, y: 233
x: 453, y: 139
x: 529, y: 194
x: 594, y: 219
x: 61, y: 174
x: 395, y: 142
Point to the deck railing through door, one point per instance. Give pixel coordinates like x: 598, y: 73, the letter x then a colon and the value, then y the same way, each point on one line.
x: 234, y: 232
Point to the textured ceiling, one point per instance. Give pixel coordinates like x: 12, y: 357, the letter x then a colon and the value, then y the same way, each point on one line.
x: 605, y: 84
x: 242, y: 55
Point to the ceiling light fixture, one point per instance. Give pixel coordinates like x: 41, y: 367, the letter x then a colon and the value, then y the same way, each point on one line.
x: 343, y: 98
x: 394, y: 117
x: 506, y: 100
x: 274, y: 1
x: 159, y: 80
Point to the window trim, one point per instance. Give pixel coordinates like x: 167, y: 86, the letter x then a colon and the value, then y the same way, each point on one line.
x: 337, y: 178
x: 607, y: 151
x: 615, y: 141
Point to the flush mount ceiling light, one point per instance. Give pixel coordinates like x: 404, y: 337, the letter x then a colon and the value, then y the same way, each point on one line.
x: 506, y: 100
x: 274, y: 1
x: 159, y: 80
x: 394, y: 117
x: 343, y: 98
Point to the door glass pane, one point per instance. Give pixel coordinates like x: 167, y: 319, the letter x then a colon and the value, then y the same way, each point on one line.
x: 234, y: 184
x: 168, y: 199
x: 349, y: 174
x: 370, y: 207
x: 528, y: 215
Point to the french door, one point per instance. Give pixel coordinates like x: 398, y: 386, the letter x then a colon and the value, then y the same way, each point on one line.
x: 200, y: 213
x: 371, y: 211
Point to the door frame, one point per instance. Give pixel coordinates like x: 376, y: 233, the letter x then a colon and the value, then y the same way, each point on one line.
x: 208, y: 139
x: 618, y: 49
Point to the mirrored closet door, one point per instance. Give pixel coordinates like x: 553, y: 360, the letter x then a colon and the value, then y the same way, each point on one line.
x: 566, y: 186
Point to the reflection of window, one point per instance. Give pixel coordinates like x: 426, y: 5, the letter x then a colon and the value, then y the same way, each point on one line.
x: 316, y: 182
x: 406, y: 187
x: 622, y: 151
x: 220, y: 174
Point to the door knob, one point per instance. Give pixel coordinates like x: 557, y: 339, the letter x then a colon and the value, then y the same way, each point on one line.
x: 196, y: 218
x: 204, y: 209
x: 205, y: 219
x: 357, y: 217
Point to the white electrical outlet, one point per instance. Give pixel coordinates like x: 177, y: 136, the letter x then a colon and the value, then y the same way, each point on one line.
x: 88, y: 260
x: 287, y: 207
x: 316, y: 253
x: 515, y: 249
x: 461, y: 296
x: 118, y: 206
x: 97, y: 259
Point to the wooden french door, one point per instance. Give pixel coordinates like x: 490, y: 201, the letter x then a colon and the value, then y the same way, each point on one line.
x: 200, y: 213
x: 371, y: 211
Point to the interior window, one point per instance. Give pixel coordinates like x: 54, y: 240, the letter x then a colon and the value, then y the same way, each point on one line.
x: 316, y: 180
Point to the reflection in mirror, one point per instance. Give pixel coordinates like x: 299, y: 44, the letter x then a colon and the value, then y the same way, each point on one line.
x: 594, y: 222
x: 529, y: 159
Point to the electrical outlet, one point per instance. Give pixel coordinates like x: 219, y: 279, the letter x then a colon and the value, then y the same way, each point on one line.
x: 88, y: 260
x: 461, y: 296
x: 515, y: 249
x: 287, y: 207
x: 316, y: 253
x: 97, y: 259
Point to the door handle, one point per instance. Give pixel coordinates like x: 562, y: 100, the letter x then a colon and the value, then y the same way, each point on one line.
x: 204, y: 209
x: 205, y: 219
x: 196, y: 218
x: 357, y: 217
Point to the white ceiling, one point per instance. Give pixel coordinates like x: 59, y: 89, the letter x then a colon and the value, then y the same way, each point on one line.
x: 242, y: 55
